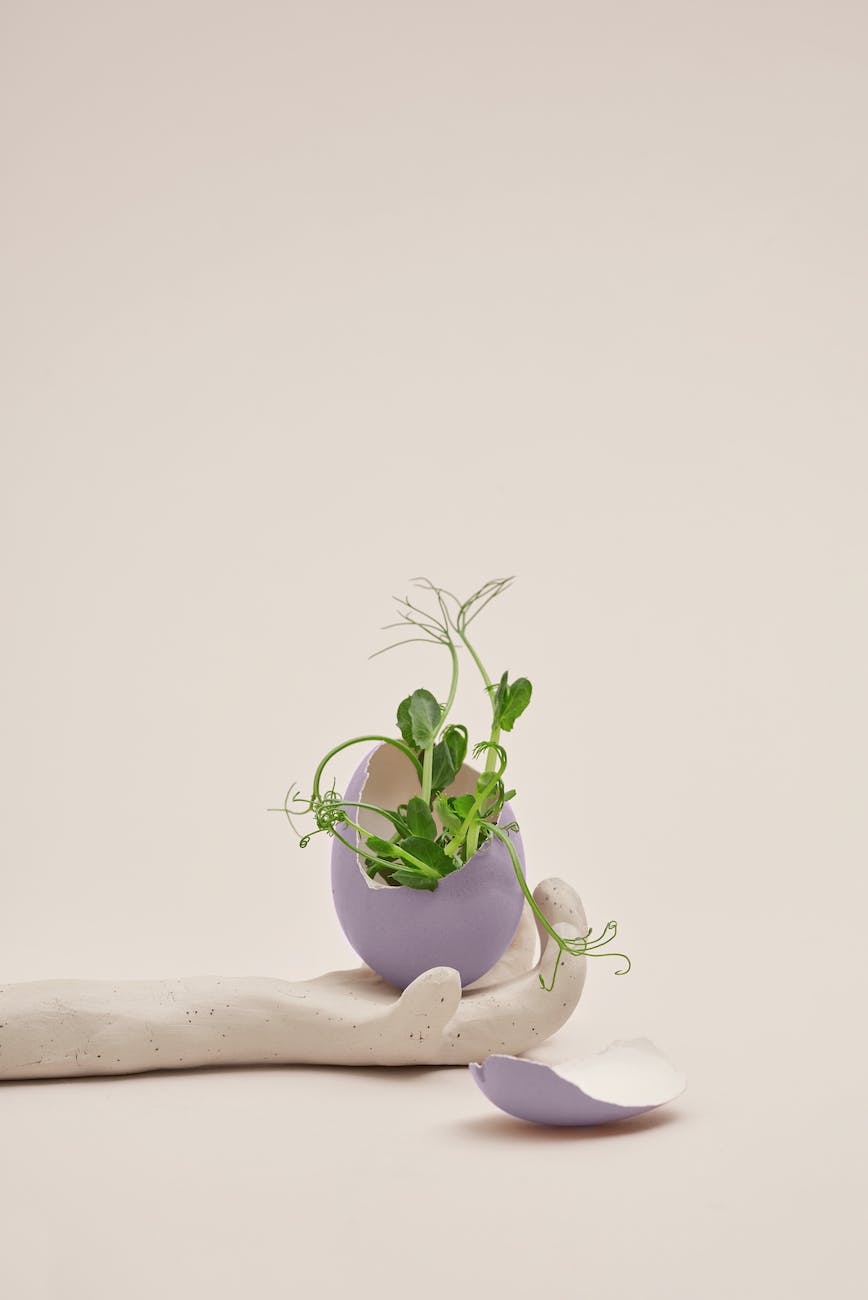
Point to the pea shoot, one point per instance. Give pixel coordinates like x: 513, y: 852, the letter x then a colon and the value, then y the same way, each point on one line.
x: 436, y: 833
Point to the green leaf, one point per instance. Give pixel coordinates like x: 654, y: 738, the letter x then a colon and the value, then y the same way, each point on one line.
x: 419, y: 819
x: 414, y: 879
x: 518, y: 698
x: 404, y: 725
x: 450, y: 819
x: 428, y: 852
x: 424, y: 718
x: 499, y: 694
x: 461, y: 805
x: 449, y: 754
x: 375, y: 868
x: 379, y: 847
x: 455, y: 740
x: 400, y: 821
x: 442, y: 768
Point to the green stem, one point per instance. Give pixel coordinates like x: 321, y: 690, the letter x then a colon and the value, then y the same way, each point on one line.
x: 402, y: 853
x: 491, y: 759
x: 578, y: 947
x: 473, y: 836
x: 427, y: 772
x: 475, y: 657
x: 453, y: 687
x: 381, y: 862
x: 453, y: 845
x: 525, y: 888
x: 389, y: 740
x: 399, y: 826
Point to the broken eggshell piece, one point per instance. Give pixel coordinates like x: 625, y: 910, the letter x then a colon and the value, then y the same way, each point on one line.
x: 467, y: 922
x: 626, y: 1079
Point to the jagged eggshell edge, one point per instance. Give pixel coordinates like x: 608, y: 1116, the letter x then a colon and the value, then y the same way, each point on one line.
x: 627, y: 1079
x: 467, y: 922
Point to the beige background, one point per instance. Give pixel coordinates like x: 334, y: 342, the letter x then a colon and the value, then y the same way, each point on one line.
x: 300, y: 300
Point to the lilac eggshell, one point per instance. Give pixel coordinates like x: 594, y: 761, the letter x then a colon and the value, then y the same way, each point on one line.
x: 533, y: 1091
x: 467, y: 922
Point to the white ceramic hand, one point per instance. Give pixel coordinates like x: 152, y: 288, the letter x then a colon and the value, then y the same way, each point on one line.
x: 64, y: 1028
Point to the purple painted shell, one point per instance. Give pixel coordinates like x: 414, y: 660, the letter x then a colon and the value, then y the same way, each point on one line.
x: 627, y: 1079
x: 467, y: 922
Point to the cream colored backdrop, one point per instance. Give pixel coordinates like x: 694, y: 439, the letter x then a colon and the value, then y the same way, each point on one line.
x: 300, y: 300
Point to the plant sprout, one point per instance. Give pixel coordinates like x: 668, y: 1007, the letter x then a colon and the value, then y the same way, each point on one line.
x: 435, y: 833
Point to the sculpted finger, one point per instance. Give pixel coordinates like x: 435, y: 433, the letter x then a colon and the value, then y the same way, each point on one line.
x: 559, y: 902
x: 571, y: 972
x: 428, y: 1004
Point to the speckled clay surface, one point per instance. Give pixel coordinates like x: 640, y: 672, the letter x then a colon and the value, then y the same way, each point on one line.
x: 62, y: 1028
x: 466, y: 923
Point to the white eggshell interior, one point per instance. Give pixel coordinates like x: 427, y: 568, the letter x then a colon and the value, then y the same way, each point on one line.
x: 627, y: 1079
x: 627, y: 1073
x: 391, y: 781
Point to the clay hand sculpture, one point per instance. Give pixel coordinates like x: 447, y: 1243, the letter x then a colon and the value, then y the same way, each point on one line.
x: 66, y: 1028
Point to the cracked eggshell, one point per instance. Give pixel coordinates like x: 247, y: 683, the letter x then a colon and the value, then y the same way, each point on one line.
x: 467, y: 922
x: 627, y: 1079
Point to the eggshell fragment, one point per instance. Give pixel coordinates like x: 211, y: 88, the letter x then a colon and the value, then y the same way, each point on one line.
x: 627, y: 1079
x: 467, y: 922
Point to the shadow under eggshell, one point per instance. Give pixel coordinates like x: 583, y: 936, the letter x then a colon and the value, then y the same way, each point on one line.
x: 627, y: 1079
x: 467, y: 922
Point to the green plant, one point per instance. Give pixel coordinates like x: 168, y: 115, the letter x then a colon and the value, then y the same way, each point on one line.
x: 435, y: 833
